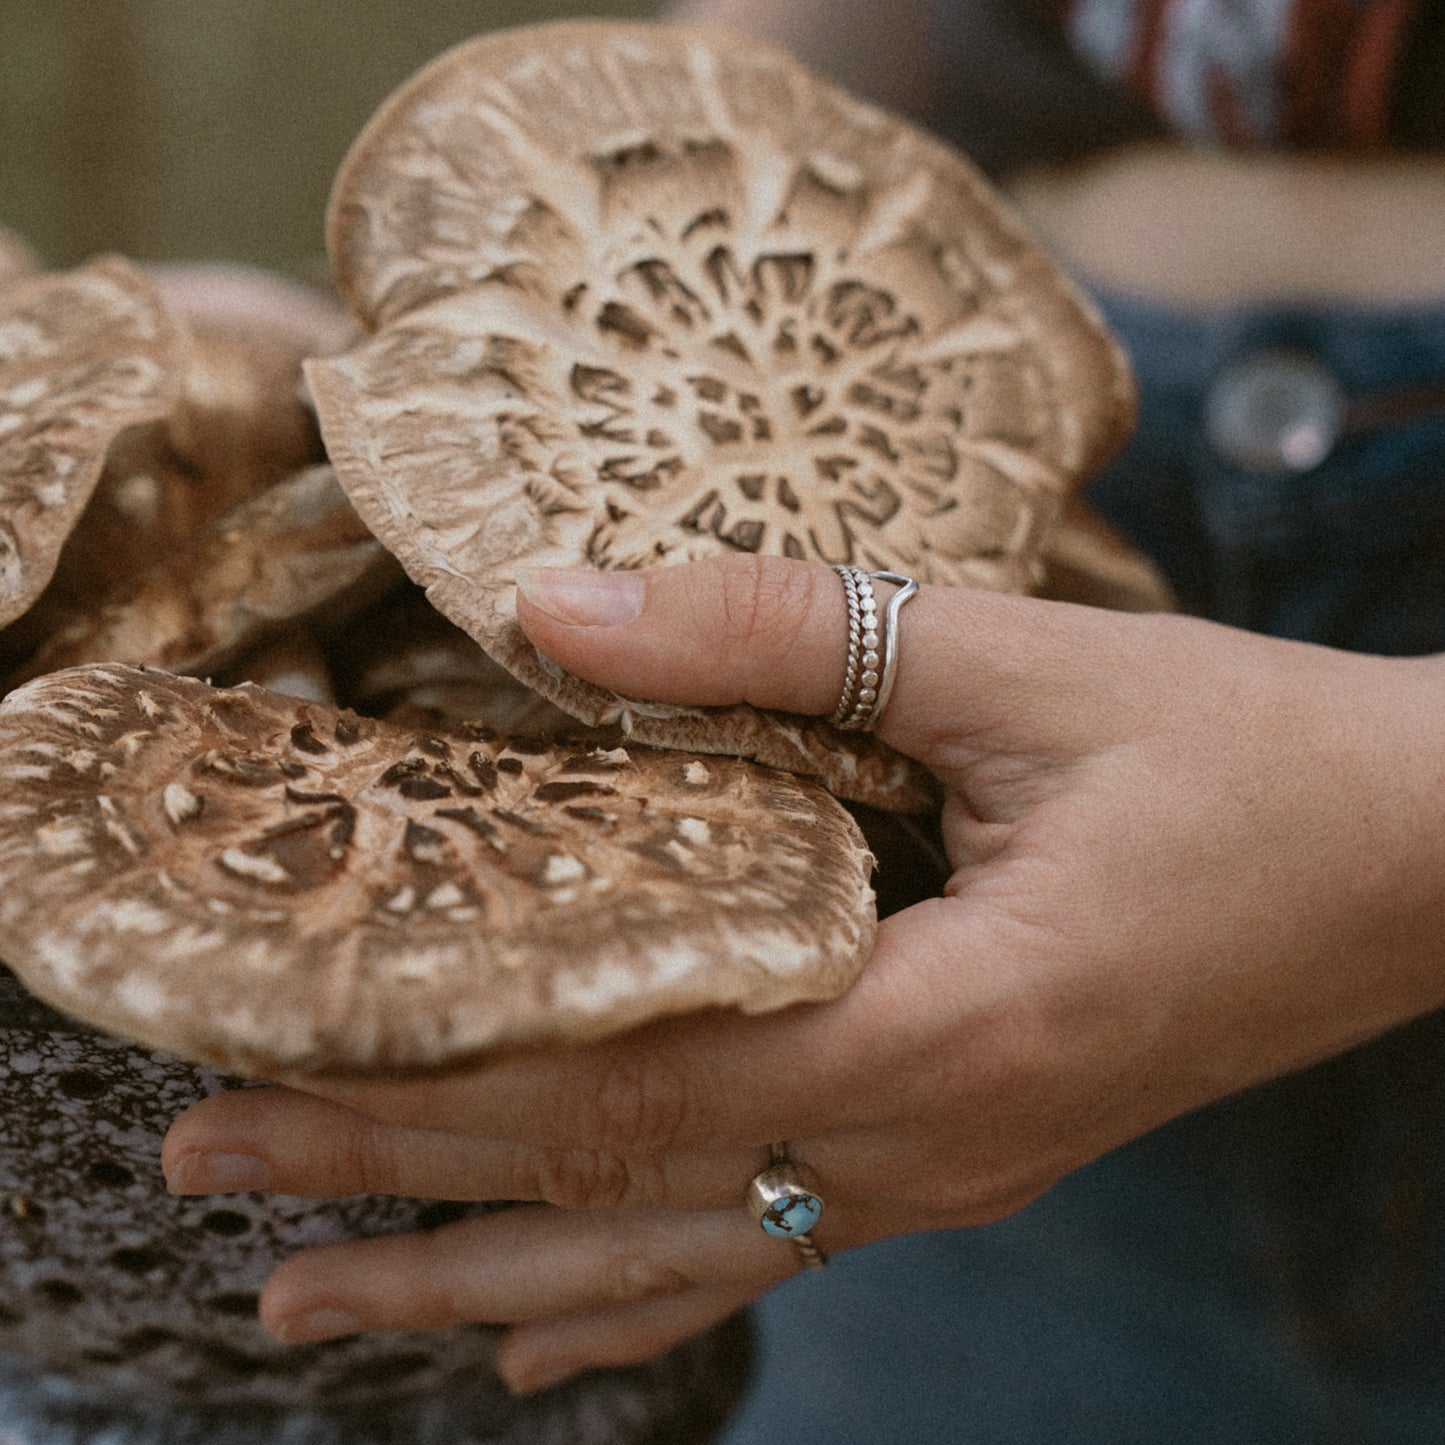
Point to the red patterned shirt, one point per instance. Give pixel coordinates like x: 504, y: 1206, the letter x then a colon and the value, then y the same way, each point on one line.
x: 1294, y: 73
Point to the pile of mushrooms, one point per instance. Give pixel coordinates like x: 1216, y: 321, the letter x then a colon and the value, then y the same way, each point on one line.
x: 283, y: 787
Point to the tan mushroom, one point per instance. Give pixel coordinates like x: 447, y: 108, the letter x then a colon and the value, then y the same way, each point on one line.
x: 294, y: 664
x: 405, y: 662
x: 274, y: 886
x: 284, y: 320
x: 16, y: 258
x: 1087, y: 561
x: 84, y: 356
x: 238, y: 425
x: 296, y: 550
x: 646, y: 294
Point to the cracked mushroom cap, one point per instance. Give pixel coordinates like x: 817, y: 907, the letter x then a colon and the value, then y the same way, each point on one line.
x: 647, y: 294
x: 295, y: 550
x: 238, y: 426
x: 84, y: 356
x: 274, y: 886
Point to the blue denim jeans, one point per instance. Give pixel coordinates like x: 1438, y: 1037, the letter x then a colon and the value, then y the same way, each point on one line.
x: 1270, y: 1270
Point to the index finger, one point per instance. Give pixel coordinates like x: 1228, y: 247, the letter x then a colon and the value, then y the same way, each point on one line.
x: 699, y: 1081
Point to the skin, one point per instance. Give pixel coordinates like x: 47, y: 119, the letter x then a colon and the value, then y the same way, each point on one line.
x: 1186, y: 859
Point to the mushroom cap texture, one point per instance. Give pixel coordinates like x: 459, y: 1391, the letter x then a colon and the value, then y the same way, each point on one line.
x: 275, y: 887
x: 237, y: 426
x: 252, y: 574
x: 643, y: 294
x: 84, y: 356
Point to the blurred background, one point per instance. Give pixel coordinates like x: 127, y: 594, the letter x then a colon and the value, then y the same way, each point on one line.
x: 208, y: 129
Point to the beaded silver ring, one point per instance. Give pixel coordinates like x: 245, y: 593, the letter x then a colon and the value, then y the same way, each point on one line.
x: 872, y: 666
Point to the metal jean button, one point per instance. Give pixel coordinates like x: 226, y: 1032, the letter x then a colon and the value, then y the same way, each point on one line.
x: 1275, y: 412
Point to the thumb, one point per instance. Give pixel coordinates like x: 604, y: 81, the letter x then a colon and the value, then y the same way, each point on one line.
x: 774, y: 633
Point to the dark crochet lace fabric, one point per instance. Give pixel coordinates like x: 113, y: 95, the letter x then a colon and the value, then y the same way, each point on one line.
x: 128, y: 1316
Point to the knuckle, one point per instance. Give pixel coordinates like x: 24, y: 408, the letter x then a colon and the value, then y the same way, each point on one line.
x: 996, y: 1199
x: 640, y: 1103
x: 633, y: 1276
x: 365, y: 1161
x: 765, y: 601
x: 579, y: 1178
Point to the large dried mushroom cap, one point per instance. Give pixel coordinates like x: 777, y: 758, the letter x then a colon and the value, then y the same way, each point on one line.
x: 84, y: 356
x: 237, y: 426
x: 272, y: 886
x: 275, y: 559
x: 647, y: 294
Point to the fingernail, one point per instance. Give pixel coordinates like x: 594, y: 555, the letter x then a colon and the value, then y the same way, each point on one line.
x: 329, y: 1324
x: 203, y: 1173
x: 527, y: 1377
x: 581, y: 598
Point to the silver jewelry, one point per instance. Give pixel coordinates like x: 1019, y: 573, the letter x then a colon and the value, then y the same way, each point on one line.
x: 907, y: 591
x: 872, y: 667
x: 784, y: 1200
x: 862, y: 639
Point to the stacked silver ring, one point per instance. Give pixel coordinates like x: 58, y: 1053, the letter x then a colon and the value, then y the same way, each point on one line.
x: 872, y: 666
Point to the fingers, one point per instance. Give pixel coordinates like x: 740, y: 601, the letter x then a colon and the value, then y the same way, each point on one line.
x: 773, y: 632
x: 581, y: 1289
x: 285, y: 1142
x: 535, y: 1356
x: 705, y: 1082
x: 528, y: 1263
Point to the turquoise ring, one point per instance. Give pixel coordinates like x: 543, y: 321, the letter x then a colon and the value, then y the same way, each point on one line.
x: 784, y: 1200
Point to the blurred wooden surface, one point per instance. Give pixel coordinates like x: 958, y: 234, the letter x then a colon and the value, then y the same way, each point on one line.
x: 207, y: 129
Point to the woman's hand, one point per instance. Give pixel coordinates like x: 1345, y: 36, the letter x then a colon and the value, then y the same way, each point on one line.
x: 1185, y: 859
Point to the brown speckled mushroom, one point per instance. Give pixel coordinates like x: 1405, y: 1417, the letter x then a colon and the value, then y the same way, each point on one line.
x: 294, y: 551
x: 1088, y: 562
x: 84, y: 356
x: 405, y: 662
x: 16, y: 258
x: 646, y: 294
x: 277, y: 887
x: 294, y: 663
x: 239, y: 424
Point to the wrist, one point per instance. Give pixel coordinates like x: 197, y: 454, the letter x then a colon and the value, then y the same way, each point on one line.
x: 1369, y: 835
